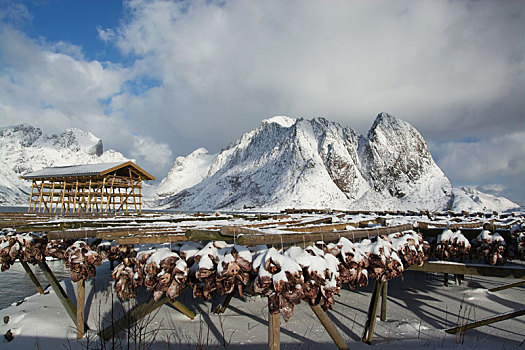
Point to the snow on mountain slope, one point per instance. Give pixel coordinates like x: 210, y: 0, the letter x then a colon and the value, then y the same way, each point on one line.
x: 186, y: 172
x: 473, y: 200
x: 24, y: 148
x: 289, y: 162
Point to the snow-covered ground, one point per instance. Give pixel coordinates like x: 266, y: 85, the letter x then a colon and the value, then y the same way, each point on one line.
x: 420, y: 307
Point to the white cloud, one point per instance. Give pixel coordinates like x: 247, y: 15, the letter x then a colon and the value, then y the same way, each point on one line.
x: 157, y: 155
x: 497, y: 163
x: 202, y: 72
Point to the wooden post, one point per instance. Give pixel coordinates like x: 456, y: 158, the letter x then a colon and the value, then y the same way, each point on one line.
x: 274, y: 331
x: 445, y: 279
x: 61, y: 294
x: 81, y: 296
x: 31, y: 196
x: 41, y: 194
x: 63, y: 209
x: 221, y: 308
x: 370, y: 324
x: 51, y: 197
x: 487, y: 321
x: 329, y: 326
x: 88, y: 205
x: 32, y: 277
x: 76, y: 196
x: 384, y: 296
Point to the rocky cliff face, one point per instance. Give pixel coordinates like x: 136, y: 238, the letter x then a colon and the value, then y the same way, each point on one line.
x: 24, y: 148
x: 290, y: 162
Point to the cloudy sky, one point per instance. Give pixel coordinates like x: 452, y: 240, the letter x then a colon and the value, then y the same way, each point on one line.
x: 158, y: 79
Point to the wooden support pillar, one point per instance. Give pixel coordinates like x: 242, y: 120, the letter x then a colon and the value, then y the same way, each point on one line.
x: 32, y: 277
x: 384, y: 296
x: 274, y: 331
x: 41, y: 194
x: 370, y: 324
x: 81, y: 297
x: 329, y: 326
x: 445, y: 279
x: 61, y: 294
x: 31, y: 196
x: 222, y: 308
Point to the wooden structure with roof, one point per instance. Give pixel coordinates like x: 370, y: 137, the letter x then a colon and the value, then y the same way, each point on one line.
x: 89, y: 188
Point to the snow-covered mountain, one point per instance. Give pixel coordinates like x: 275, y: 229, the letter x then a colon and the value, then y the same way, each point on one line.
x: 24, y: 148
x: 473, y: 200
x: 289, y: 162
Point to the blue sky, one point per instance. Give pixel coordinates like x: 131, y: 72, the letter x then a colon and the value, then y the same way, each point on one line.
x: 76, y: 22
x: 157, y: 79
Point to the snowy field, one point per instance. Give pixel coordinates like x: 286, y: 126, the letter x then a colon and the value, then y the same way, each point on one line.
x: 420, y: 307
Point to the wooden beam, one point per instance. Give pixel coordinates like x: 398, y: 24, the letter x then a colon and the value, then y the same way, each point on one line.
x: 471, y: 269
x: 329, y: 326
x: 507, y: 286
x: 81, y: 297
x: 132, y: 317
x: 274, y: 331
x: 222, y: 307
x: 59, y: 291
x: 31, y: 196
x: 331, y: 236
x: 370, y: 324
x: 182, y: 308
x: 384, y: 297
x: 40, y: 197
x: 32, y: 277
x: 486, y: 321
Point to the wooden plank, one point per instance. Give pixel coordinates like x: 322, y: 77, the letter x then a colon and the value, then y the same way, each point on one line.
x: 81, y: 297
x: 285, y: 238
x: 370, y: 324
x: 486, y: 321
x: 517, y: 272
x: 327, y: 220
x: 59, y: 291
x: 329, y: 326
x: 507, y: 286
x: 152, y: 239
x: 182, y: 308
x: 32, y: 277
x: 274, y: 331
x: 206, y: 235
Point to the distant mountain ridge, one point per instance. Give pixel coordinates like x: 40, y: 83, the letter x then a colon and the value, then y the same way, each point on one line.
x: 284, y: 163
x: 24, y: 148
x: 289, y: 162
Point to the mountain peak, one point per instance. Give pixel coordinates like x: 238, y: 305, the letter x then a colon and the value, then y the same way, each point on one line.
x: 313, y: 163
x: 281, y: 120
x: 24, y: 148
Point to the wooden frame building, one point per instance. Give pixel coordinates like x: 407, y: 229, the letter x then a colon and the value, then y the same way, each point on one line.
x: 89, y: 188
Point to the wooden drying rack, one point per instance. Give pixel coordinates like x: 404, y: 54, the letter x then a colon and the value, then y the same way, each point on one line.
x: 300, y: 232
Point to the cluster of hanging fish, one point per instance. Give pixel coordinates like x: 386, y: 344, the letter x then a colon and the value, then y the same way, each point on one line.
x: 314, y: 274
x: 29, y: 247
x: 487, y: 246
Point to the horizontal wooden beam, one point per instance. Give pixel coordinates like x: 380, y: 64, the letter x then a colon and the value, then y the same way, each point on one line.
x: 471, y: 269
x: 486, y: 321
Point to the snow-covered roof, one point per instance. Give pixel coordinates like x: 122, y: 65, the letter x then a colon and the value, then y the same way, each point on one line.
x: 84, y: 170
